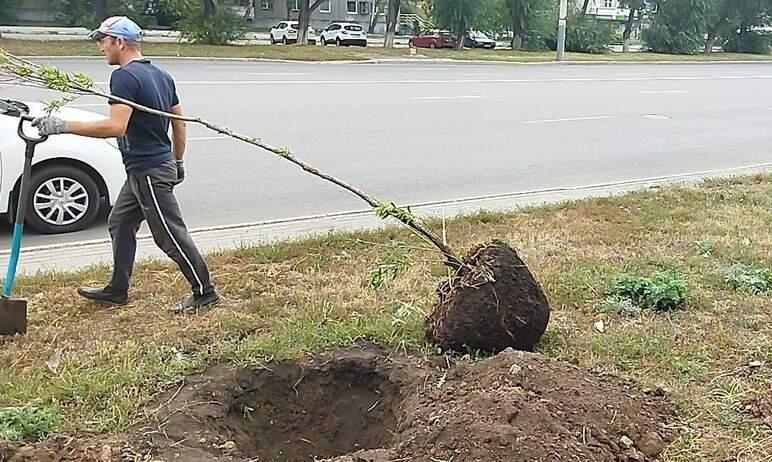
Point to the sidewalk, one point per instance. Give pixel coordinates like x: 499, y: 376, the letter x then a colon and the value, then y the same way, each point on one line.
x: 74, y: 256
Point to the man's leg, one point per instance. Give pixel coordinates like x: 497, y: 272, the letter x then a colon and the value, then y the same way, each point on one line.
x: 123, y: 223
x: 162, y: 212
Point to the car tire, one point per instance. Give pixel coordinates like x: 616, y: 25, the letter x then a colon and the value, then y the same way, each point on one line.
x: 81, y: 209
x: 273, y: 40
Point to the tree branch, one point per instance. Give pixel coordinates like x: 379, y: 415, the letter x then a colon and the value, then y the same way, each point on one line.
x: 51, y: 78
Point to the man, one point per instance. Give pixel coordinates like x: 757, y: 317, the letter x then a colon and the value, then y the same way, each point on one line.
x: 153, y: 166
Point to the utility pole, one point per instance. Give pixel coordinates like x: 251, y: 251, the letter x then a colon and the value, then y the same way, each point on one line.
x: 562, y: 29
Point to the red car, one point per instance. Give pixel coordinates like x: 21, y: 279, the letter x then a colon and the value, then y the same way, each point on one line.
x: 433, y: 39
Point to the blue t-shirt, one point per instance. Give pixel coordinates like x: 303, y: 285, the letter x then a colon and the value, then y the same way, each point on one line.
x: 146, y: 143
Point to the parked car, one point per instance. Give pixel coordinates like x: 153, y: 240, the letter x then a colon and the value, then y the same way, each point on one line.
x: 343, y: 33
x: 433, y: 39
x: 478, y: 40
x: 73, y: 178
x: 286, y: 32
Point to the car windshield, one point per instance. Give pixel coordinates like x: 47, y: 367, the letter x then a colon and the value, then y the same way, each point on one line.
x: 353, y: 27
x: 479, y: 35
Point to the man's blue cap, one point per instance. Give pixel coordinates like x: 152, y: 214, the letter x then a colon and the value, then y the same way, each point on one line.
x: 118, y: 26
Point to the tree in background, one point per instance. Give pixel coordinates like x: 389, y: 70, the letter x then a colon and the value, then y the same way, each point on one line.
x: 392, y: 18
x: 528, y: 17
x: 678, y: 27
x: 458, y: 16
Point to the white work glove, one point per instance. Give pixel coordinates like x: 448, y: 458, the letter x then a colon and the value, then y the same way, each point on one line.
x: 50, y: 125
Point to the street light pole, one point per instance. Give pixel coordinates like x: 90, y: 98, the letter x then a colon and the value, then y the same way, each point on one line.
x: 562, y: 29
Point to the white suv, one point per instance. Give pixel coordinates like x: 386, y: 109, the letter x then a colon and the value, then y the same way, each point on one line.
x: 344, y: 33
x: 286, y: 32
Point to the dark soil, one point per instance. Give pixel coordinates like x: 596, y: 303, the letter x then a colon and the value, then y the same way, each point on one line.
x: 365, y: 404
x: 493, y: 304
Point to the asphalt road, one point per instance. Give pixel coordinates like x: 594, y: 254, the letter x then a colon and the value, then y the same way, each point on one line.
x: 416, y: 133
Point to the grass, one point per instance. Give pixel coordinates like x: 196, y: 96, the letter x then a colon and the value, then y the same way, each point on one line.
x: 97, y: 367
x: 331, y: 53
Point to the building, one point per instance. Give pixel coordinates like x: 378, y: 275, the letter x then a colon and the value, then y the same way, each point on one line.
x: 269, y: 12
x: 607, y: 10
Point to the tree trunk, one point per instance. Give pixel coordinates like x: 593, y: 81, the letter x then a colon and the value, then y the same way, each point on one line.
x: 374, y: 19
x: 304, y: 17
x: 585, y: 6
x: 712, y: 37
x: 392, y: 17
x: 628, y: 31
x: 460, y: 37
x: 517, y: 35
x: 100, y: 9
x: 210, y: 8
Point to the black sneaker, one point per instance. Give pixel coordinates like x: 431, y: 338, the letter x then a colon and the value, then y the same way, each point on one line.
x: 104, y: 295
x: 195, y: 302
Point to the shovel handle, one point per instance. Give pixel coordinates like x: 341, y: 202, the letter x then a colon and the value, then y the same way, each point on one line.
x: 29, y: 139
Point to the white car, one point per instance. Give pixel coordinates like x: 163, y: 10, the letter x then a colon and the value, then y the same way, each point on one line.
x: 73, y: 178
x: 286, y: 32
x: 344, y: 33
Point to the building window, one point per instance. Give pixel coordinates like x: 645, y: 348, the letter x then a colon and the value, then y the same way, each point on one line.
x: 364, y: 7
x: 293, y: 5
x: 266, y: 4
x: 608, y: 3
x: 351, y: 7
x: 325, y: 7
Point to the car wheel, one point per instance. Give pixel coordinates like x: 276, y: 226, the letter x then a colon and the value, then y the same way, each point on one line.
x: 273, y: 40
x: 284, y: 40
x: 63, y: 199
x: 432, y: 45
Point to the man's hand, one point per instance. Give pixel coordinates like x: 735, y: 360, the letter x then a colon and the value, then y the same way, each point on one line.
x: 50, y: 125
x: 180, y: 172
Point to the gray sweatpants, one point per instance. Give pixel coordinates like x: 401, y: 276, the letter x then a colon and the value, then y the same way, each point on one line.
x: 149, y: 195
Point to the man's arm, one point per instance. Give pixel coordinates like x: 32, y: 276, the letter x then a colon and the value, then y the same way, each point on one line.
x: 112, y: 127
x: 179, y: 134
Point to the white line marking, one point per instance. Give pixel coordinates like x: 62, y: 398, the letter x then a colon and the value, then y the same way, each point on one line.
x: 664, y: 92
x: 571, y: 119
x: 207, y: 138
x: 434, y: 98
x: 483, y: 75
x: 277, y: 73
x: 655, y: 117
x: 451, y: 81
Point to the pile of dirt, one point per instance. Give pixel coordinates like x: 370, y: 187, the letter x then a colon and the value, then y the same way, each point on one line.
x: 492, y: 304
x: 365, y: 404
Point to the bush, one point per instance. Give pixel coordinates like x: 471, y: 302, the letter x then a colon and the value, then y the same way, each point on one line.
x: 663, y: 291
x: 221, y: 29
x: 678, y: 28
x: 17, y: 423
x: 749, y: 279
x: 589, y: 36
x: 748, y: 42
